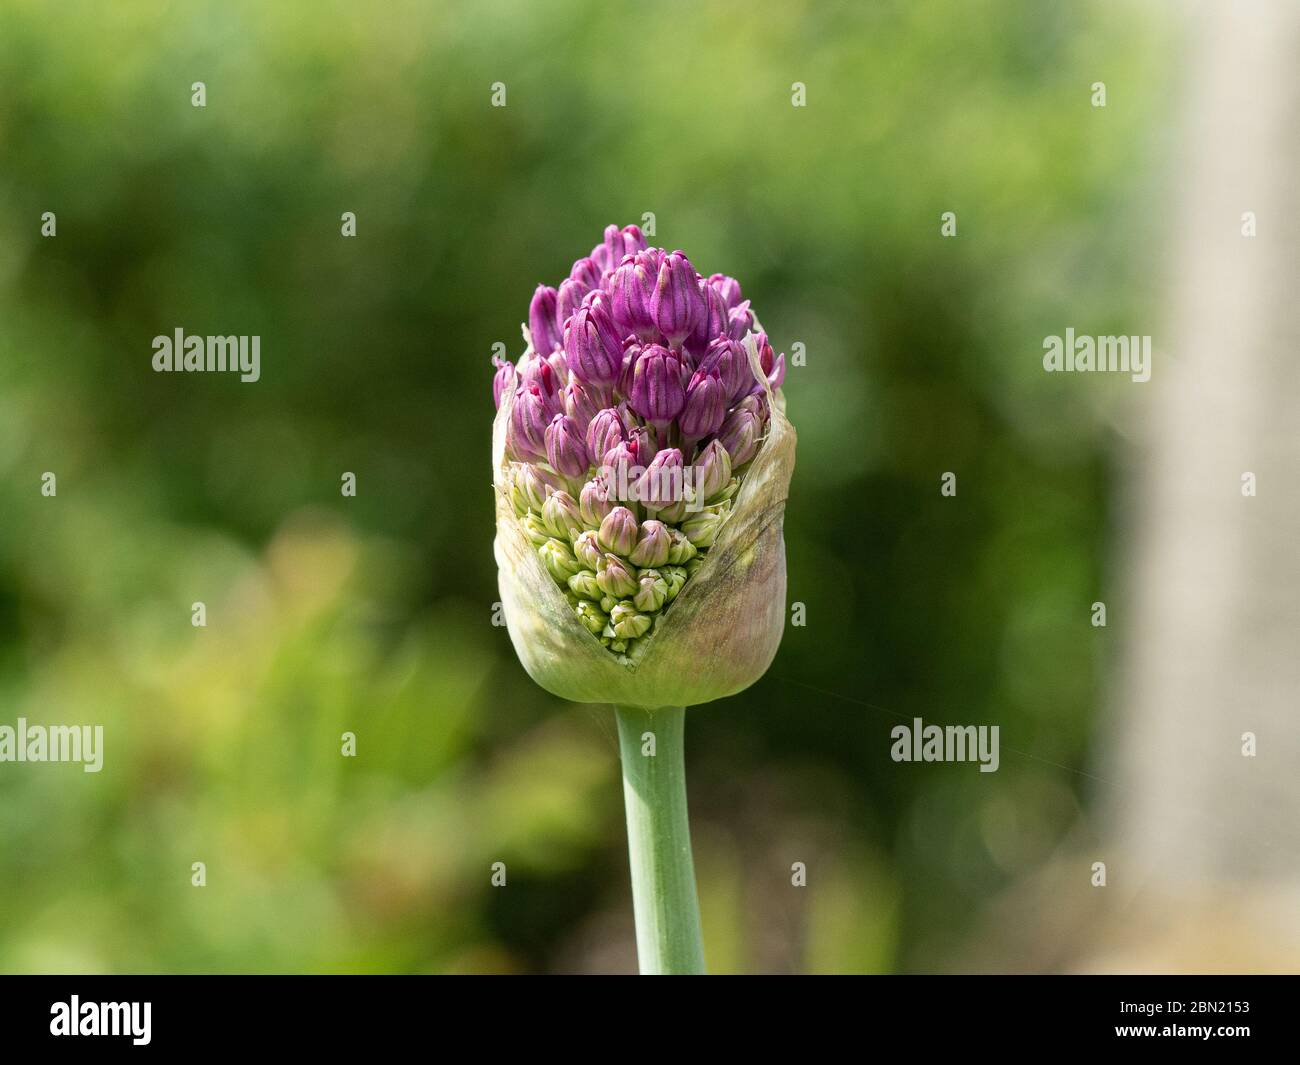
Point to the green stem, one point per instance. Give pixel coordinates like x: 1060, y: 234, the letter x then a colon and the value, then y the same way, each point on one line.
x: 659, y: 840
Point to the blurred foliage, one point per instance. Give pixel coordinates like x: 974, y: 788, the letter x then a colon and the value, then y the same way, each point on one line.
x: 373, y: 614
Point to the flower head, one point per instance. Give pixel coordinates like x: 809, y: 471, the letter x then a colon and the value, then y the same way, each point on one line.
x: 642, y: 459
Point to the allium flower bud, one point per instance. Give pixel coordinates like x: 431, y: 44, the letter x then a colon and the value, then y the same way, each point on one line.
x: 561, y: 369
x: 615, y: 577
x: 618, y: 531
x: 727, y: 287
x: 728, y: 358
x: 559, y: 560
x: 663, y: 482
x: 565, y: 450
x: 535, y: 529
x: 594, y: 502
x: 757, y: 405
x: 569, y: 299
x: 542, y: 323
x: 712, y: 324
x: 534, y: 369
x: 530, y: 487
x: 680, y: 549
x: 605, y: 431
x: 739, y: 321
x: 582, y: 403
x: 627, y: 623
x: 640, y: 599
x: 560, y: 515
x: 677, y: 303
x: 701, y: 528
x: 631, y: 287
x: 633, y: 240
x: 673, y: 513
x: 657, y: 392
x: 631, y: 352
x: 502, y: 379
x: 729, y: 491
x: 592, y: 617
x: 586, y: 548
x: 651, y: 591
x: 712, y: 471
x: 652, y: 547
x: 773, y: 366
x: 593, y: 347
x: 586, y: 272
x: 611, y: 252
x: 706, y: 405
x: 741, y: 434
x: 643, y: 441
x: 620, y: 462
x: 530, y: 414
x: 674, y: 577
x: 584, y: 585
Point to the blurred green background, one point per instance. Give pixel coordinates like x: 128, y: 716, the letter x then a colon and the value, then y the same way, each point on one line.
x: 373, y: 614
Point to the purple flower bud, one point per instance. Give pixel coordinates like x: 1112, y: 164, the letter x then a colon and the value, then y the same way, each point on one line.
x: 542, y: 323
x: 739, y: 321
x: 657, y: 393
x: 620, y: 461
x: 662, y: 483
x: 712, y: 471
x: 756, y: 404
x: 569, y: 299
x: 615, y: 246
x: 677, y: 303
x: 565, y: 450
x: 728, y: 358
x: 529, y: 418
x: 501, y: 379
x: 560, y: 368
x: 727, y: 287
x: 594, y: 504
x: 773, y: 365
x: 582, y: 403
x: 630, y: 354
x: 706, y: 405
x: 741, y: 434
x: 605, y: 431
x: 712, y: 324
x: 631, y: 289
x: 641, y: 439
x: 537, y: 371
x: 593, y: 348
x: 618, y: 531
x: 633, y: 240
x: 586, y: 272
x: 652, y: 547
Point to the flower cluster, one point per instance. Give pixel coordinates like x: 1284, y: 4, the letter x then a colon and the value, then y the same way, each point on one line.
x: 635, y: 415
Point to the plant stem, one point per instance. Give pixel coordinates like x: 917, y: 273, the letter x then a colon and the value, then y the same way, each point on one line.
x: 659, y: 840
